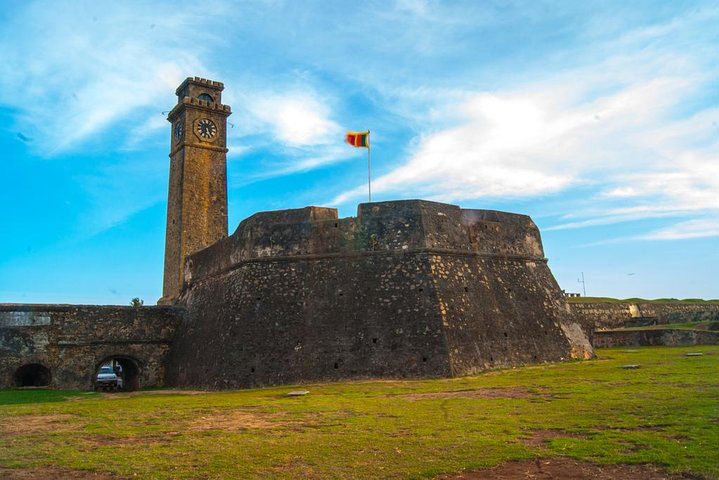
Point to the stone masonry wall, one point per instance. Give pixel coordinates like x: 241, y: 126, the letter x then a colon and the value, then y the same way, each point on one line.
x: 276, y: 322
x: 73, y: 340
x: 197, y: 192
x: 405, y: 289
x: 597, y: 316
x: 665, y: 337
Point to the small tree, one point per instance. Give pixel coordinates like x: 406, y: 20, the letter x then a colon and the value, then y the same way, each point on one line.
x: 137, y: 302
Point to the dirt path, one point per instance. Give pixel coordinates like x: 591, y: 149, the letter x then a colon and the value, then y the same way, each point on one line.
x: 547, y: 469
x: 567, y: 469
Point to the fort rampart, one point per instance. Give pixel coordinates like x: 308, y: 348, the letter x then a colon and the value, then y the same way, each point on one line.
x: 405, y: 289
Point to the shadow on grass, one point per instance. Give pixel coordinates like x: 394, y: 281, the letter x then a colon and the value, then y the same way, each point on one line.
x: 37, y: 395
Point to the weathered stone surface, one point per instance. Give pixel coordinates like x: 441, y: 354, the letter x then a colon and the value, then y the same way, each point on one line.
x: 73, y: 340
x: 664, y: 337
x: 407, y: 288
x: 598, y: 316
x: 197, y: 196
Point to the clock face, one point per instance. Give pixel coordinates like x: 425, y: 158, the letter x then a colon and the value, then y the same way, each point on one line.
x: 206, y: 129
x: 178, y: 130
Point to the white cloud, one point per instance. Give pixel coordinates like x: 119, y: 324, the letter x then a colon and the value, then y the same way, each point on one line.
x: 613, y: 120
x: 416, y: 7
x: 296, y: 126
x: 524, y: 143
x: 295, y: 119
x: 698, y: 228
x: 310, y: 160
x: 74, y: 68
x: 486, y: 155
x: 153, y: 124
x: 619, y: 126
x: 688, y: 187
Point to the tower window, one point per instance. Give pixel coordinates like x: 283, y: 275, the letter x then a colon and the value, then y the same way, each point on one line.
x: 205, y: 98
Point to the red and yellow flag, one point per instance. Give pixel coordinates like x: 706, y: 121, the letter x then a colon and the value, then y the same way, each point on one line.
x: 358, y: 139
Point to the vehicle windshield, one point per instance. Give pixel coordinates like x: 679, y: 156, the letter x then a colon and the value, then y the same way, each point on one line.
x: 106, y: 370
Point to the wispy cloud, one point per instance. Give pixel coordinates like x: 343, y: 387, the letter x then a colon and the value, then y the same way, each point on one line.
x: 689, y: 229
x: 619, y: 114
x: 295, y: 120
x: 84, y: 65
x: 699, y: 228
x: 626, y: 126
x: 587, y: 114
x: 295, y: 126
x: 527, y: 142
x: 119, y: 191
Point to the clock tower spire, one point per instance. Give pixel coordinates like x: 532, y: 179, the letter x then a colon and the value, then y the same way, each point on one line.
x: 197, y: 196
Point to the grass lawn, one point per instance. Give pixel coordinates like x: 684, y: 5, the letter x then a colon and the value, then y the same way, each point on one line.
x: 666, y: 413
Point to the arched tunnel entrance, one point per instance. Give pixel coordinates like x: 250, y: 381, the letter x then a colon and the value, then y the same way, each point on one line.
x: 32, y: 375
x: 117, y: 373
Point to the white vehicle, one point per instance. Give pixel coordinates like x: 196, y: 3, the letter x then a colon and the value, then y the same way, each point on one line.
x: 107, y: 379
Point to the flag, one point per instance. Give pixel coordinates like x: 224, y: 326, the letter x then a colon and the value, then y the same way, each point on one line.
x: 358, y: 139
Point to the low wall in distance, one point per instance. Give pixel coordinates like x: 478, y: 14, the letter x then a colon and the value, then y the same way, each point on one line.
x: 665, y: 337
x: 597, y: 316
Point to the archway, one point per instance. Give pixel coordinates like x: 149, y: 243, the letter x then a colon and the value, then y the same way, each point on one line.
x: 32, y: 375
x: 117, y: 373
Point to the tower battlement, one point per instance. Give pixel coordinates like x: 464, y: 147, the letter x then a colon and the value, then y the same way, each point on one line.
x: 202, y: 82
x: 191, y: 102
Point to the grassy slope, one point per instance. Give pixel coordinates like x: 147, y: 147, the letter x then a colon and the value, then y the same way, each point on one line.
x: 666, y: 412
x: 688, y: 301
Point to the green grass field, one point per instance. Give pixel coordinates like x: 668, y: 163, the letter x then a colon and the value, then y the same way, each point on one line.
x: 665, y: 413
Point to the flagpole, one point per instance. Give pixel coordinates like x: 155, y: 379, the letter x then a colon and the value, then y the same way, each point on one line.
x: 369, y: 176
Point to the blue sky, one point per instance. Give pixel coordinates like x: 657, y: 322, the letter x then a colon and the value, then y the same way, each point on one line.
x: 598, y: 119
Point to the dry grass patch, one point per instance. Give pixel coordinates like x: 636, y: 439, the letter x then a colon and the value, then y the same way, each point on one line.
x: 29, y: 424
x: 240, y: 420
x: 151, y: 392
x: 113, y: 441
x: 540, y: 438
x: 53, y: 474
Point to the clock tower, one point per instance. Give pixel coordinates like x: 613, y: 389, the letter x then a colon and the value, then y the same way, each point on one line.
x: 197, y: 197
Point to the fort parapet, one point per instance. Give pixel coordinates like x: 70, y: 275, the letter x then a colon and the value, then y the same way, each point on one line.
x: 405, y: 289
x: 410, y: 226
